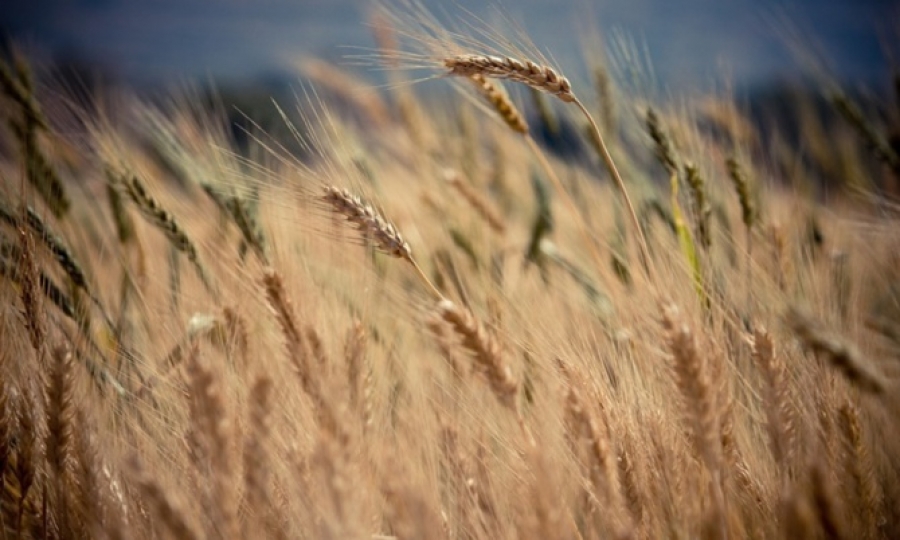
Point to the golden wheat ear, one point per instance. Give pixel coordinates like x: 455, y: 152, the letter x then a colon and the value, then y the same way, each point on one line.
x: 374, y: 228
x: 543, y: 78
x: 501, y: 103
x: 368, y: 221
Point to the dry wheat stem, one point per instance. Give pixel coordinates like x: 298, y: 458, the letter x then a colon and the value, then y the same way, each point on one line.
x: 646, y: 261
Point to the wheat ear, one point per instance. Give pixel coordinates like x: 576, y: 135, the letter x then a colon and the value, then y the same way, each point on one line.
x: 501, y: 103
x: 842, y: 354
x: 779, y: 416
x: 693, y: 379
x: 256, y: 467
x: 485, y: 350
x: 31, y: 301
x: 488, y: 356
x: 60, y: 426
x: 61, y: 253
x: 702, y: 209
x: 540, y: 77
x: 6, y: 427
x: 163, y: 220
x: 170, y: 512
x: 299, y: 352
x: 859, y: 464
x: 592, y: 433
x: 374, y: 228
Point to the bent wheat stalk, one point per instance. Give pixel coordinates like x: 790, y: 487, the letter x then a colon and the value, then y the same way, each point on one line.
x: 546, y: 79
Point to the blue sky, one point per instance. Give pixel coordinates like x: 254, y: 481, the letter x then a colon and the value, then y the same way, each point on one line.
x: 689, y: 40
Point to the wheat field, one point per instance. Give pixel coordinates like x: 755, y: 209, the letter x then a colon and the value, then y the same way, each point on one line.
x: 528, y: 308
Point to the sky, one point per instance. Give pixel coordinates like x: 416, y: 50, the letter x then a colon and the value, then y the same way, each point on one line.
x: 688, y: 41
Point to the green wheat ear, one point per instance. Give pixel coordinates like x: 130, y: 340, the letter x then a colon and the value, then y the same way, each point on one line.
x: 18, y: 86
x: 686, y: 244
x: 541, y: 226
x: 666, y: 156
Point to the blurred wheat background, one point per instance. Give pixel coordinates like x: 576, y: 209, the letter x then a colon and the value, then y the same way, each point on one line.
x: 440, y: 289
